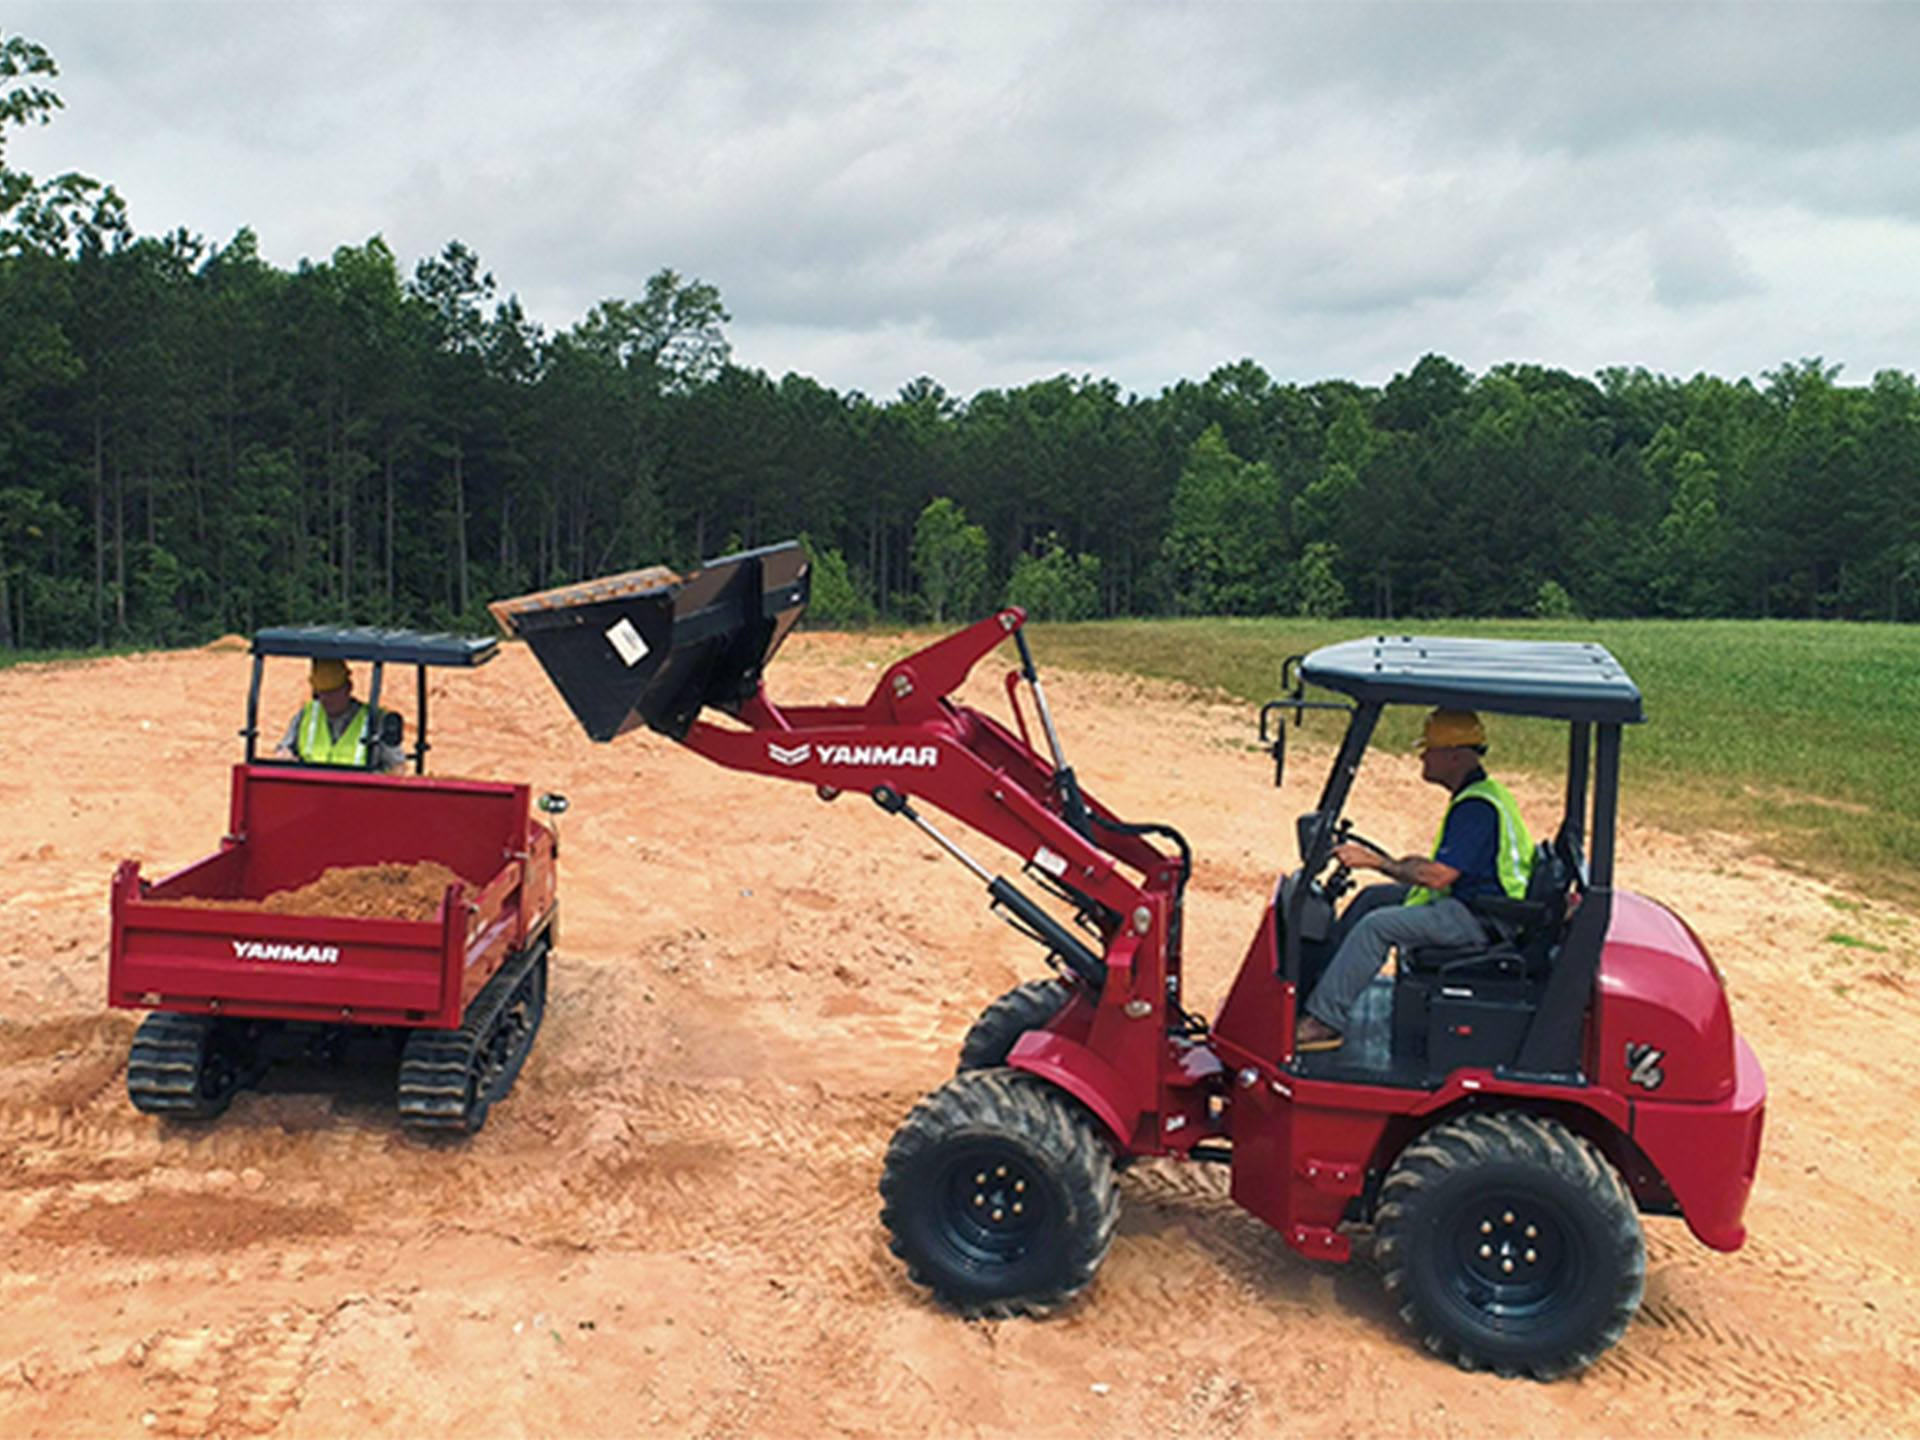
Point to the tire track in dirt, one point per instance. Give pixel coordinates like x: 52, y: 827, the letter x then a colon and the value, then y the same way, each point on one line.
x: 780, y: 1170
x: 239, y: 1379
x: 1729, y: 1378
x: 1186, y: 1208
x: 61, y: 1064
x: 667, y: 1164
x: 1829, y: 1284
x: 1681, y: 1345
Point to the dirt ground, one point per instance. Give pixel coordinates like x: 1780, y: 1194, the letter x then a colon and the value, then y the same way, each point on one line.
x: 671, y: 1225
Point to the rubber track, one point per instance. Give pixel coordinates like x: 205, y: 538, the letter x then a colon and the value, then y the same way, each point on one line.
x: 163, y: 1065
x: 435, y: 1064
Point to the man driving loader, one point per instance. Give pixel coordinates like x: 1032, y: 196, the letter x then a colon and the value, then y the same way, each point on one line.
x: 333, y: 728
x: 1483, y: 849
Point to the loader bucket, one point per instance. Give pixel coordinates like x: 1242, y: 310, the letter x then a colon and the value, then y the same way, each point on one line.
x: 651, y: 647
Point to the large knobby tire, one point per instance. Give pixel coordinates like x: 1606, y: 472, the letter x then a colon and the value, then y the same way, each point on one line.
x: 1510, y: 1244
x: 1026, y: 1007
x: 998, y: 1193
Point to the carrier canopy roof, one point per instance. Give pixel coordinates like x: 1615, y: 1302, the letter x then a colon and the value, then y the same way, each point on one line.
x: 1552, y: 679
x: 397, y: 647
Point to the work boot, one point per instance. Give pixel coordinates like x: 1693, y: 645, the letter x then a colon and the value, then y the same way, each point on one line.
x: 1314, y: 1034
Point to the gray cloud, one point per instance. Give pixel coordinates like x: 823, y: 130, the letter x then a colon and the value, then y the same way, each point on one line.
x: 1696, y: 263
x: 991, y: 193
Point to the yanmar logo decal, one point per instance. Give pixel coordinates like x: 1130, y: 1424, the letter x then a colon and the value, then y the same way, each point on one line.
x: 921, y: 756
x: 1643, y: 1065
x: 293, y: 954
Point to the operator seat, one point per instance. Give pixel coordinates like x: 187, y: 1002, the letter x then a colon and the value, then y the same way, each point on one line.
x: 1471, y: 1005
x: 1521, y: 934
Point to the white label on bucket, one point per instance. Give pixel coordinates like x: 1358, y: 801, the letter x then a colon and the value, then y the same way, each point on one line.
x: 1051, y: 861
x: 625, y: 639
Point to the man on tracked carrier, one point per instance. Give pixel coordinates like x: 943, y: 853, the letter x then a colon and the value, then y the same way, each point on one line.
x: 1483, y: 849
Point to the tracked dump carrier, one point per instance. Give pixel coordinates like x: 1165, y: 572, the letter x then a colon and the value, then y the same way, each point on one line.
x: 232, y: 986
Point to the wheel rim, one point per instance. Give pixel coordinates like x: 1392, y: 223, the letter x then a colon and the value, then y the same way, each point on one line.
x: 1516, y: 1256
x: 994, y: 1206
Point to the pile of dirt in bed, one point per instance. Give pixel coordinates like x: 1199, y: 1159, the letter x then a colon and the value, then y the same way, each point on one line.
x: 371, y: 892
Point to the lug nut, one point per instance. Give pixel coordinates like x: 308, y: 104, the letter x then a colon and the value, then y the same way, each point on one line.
x: 1486, y: 1227
x: 1507, y: 1266
x: 1486, y: 1252
x: 1002, y: 1173
x: 1016, y: 1207
x: 1532, y: 1256
x: 1507, y: 1219
x: 981, y: 1178
x: 1532, y: 1230
x: 1018, y: 1186
x: 979, y: 1200
x: 998, y: 1215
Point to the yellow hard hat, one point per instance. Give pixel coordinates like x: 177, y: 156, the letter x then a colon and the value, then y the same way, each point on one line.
x: 329, y: 675
x: 1447, y: 728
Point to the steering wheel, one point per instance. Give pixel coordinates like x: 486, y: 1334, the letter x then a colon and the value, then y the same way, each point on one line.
x: 1341, y: 879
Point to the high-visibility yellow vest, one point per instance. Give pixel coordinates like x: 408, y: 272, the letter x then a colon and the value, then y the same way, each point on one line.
x: 1513, y: 854
x: 313, y: 739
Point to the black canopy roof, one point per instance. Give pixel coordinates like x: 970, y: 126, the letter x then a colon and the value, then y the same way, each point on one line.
x: 360, y: 642
x: 1553, y: 679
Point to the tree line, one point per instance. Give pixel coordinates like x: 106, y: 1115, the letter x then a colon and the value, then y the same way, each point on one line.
x: 194, y: 441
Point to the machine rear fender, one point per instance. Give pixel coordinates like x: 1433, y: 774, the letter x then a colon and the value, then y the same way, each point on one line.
x: 1708, y: 1154
x: 1606, y: 1131
x: 1694, y: 1160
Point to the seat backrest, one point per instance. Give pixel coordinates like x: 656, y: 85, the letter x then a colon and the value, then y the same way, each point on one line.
x: 1550, y: 878
x: 1548, y: 886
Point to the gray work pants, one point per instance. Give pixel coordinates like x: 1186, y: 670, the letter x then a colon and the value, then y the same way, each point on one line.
x: 1364, y: 951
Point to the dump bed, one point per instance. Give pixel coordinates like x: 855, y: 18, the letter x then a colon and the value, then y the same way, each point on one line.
x: 288, y: 826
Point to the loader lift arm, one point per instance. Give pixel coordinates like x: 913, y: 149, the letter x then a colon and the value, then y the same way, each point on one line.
x: 703, y: 640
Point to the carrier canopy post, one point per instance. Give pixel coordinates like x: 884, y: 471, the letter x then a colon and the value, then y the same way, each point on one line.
x: 251, y: 733
x: 372, y: 746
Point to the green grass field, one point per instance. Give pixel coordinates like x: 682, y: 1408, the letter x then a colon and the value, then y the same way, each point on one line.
x: 1803, y: 735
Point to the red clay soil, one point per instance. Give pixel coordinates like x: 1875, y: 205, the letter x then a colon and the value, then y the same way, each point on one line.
x: 671, y: 1226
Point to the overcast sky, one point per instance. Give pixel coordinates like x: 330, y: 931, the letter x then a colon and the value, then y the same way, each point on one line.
x: 994, y: 193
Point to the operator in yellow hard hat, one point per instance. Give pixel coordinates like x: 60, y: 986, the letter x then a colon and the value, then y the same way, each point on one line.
x: 1483, y: 849
x: 333, y: 728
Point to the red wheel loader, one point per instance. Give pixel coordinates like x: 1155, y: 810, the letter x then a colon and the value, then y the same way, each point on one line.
x: 232, y: 987
x: 1500, y: 1116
